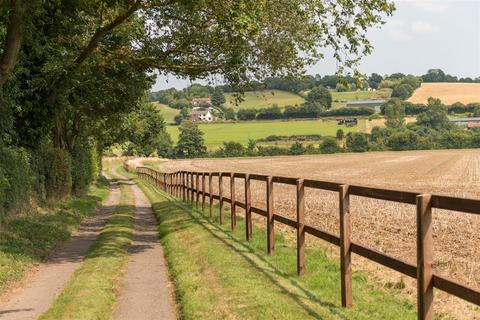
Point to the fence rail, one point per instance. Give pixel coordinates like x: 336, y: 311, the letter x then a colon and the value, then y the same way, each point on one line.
x: 186, y: 185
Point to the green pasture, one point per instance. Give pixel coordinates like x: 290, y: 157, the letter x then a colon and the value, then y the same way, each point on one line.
x: 167, y: 112
x: 264, y: 99
x: 217, y: 133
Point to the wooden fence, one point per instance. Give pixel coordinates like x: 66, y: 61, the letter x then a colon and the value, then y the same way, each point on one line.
x: 187, y: 186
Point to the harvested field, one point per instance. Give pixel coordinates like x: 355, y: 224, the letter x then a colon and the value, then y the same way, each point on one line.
x: 385, y: 226
x: 449, y: 93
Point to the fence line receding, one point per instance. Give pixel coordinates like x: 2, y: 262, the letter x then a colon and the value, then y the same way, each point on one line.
x: 186, y: 186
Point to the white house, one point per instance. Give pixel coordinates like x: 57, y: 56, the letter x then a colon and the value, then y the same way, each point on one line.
x: 198, y: 114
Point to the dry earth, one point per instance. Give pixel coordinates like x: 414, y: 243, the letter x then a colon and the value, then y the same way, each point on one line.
x: 389, y: 227
x: 449, y: 93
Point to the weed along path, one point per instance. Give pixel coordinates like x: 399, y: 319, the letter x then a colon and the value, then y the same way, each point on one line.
x: 145, y: 289
x: 41, y: 288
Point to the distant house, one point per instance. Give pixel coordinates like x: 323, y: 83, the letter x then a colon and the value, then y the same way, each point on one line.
x: 200, y: 114
x: 375, y: 104
x: 467, y: 123
x: 196, y: 102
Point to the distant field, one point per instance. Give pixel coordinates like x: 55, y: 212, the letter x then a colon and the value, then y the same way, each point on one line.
x: 167, y: 112
x: 217, y: 133
x: 358, y: 95
x: 264, y: 99
x: 449, y: 93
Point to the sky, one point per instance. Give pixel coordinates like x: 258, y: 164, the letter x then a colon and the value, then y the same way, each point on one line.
x: 421, y: 35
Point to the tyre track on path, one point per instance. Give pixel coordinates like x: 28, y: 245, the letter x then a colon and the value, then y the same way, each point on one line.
x: 146, y: 291
x: 33, y: 298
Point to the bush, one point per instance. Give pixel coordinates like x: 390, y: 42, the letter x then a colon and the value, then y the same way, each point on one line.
x: 15, y: 178
x: 357, y: 142
x: 246, y: 114
x: 233, y: 149
x: 403, y: 140
x: 85, y: 165
x: 348, y: 112
x: 329, y: 145
x: 54, y: 173
x: 297, y: 149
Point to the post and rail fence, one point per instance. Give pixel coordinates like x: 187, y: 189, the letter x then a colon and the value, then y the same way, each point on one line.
x: 186, y: 186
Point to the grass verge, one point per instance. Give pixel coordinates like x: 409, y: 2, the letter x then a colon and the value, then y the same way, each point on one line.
x: 30, y: 238
x: 219, y: 275
x: 91, y: 292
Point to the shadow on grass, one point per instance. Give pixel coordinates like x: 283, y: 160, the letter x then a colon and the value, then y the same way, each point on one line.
x: 33, y: 237
x: 245, y: 250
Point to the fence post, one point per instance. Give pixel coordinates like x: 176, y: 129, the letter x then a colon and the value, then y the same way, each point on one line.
x: 175, y: 184
x: 183, y: 185
x: 192, y: 186
x: 169, y: 177
x: 197, y: 186
x: 220, y: 196
x: 179, y: 185
x: 248, y: 208
x: 233, y: 214
x: 300, y: 226
x: 270, y: 221
x: 203, y: 191
x: 189, y: 175
x: 424, y: 257
x: 210, y: 191
x: 345, y: 246
x: 165, y: 182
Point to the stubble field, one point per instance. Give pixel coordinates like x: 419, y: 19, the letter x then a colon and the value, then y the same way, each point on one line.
x: 449, y: 93
x: 385, y: 226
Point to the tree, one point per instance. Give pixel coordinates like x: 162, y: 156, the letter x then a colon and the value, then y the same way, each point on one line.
x: 246, y: 114
x: 394, y: 113
x: 233, y: 149
x: 402, y: 91
x: 329, y: 145
x: 476, y: 111
x: 340, y: 134
x: 435, y: 117
x: 190, y: 141
x: 251, y: 147
x: 357, y: 142
x: 229, y: 114
x: 374, y: 80
x: 403, y: 140
x: 434, y: 75
x: 321, y: 96
x: 178, y: 119
x: 218, y: 98
x: 147, y: 132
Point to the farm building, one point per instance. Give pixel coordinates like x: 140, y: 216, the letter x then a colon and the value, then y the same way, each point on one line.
x: 375, y: 104
x: 198, y: 114
x: 468, y: 123
x: 201, y: 102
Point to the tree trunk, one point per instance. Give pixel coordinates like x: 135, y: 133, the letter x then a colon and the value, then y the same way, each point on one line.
x: 13, y: 40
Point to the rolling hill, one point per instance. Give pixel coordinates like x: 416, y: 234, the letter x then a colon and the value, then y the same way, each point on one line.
x: 264, y: 99
x: 449, y: 93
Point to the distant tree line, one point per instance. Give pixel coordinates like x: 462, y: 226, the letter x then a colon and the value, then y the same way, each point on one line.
x: 437, y: 75
x: 417, y: 108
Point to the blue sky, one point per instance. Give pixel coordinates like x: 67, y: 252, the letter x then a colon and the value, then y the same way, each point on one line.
x: 421, y: 34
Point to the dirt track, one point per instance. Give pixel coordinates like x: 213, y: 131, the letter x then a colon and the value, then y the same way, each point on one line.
x: 40, y: 290
x: 145, y: 289
x: 385, y: 226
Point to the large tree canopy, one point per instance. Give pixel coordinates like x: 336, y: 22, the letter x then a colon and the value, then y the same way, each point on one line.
x: 68, y: 67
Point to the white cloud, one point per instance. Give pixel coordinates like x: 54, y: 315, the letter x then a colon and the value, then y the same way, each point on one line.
x: 424, y: 27
x: 397, y: 31
x: 432, y: 6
